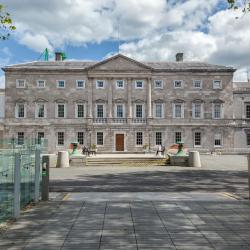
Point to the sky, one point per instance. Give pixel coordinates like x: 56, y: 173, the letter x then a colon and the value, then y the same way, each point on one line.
x: 146, y: 30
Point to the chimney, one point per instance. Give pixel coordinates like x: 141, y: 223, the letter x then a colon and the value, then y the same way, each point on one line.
x: 179, y: 57
x: 58, y: 56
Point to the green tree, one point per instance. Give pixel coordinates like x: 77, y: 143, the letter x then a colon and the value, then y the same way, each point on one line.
x: 244, y: 5
x: 6, y: 24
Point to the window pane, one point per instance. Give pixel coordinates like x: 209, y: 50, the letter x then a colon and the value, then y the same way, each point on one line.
x: 217, y: 110
x: 60, y: 110
x: 21, y: 83
x: 119, y: 84
x: 197, y: 110
x: 80, y: 110
x: 177, y: 137
x: 100, y: 111
x: 197, y: 83
x: 217, y: 139
x: 177, y: 110
x: 41, y: 83
x: 20, y: 138
x: 158, y: 84
x: 20, y: 110
x: 158, y: 138
x: 139, y: 138
x: 197, y: 138
x: 61, y: 84
x: 80, y: 138
x: 99, y: 138
x: 248, y: 111
x: 80, y: 84
x: 40, y: 110
x: 119, y: 111
x: 158, y: 110
x: 60, y: 138
x: 139, y: 84
x: 177, y: 84
x: 248, y: 139
x: 138, y: 112
x: 40, y: 135
x: 100, y: 84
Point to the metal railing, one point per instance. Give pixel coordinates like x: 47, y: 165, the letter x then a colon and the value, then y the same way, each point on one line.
x: 20, y: 175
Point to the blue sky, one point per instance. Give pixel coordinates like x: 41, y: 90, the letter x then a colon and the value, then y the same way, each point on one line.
x: 149, y: 30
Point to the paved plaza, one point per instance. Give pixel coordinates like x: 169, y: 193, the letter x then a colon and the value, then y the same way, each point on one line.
x: 163, y: 208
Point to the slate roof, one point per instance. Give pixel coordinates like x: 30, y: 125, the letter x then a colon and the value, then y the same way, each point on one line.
x: 80, y: 65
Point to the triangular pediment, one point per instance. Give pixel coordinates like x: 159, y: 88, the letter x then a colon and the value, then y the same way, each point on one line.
x: 119, y: 63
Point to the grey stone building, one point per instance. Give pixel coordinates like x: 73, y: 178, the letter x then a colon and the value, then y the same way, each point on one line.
x: 121, y: 104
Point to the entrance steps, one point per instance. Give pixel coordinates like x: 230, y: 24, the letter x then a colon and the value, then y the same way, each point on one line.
x: 125, y: 161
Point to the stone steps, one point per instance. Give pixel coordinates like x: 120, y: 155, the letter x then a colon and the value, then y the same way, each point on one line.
x: 133, y: 162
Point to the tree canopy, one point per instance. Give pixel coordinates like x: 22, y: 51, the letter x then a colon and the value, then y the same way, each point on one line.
x: 6, y: 24
x: 244, y: 5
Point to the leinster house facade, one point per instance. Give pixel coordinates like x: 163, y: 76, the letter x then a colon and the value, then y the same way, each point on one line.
x: 123, y: 105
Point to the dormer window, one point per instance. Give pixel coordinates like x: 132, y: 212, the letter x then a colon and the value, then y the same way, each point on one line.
x: 100, y: 84
x: 20, y: 83
x: 61, y: 84
x: 178, y: 84
x: 139, y: 84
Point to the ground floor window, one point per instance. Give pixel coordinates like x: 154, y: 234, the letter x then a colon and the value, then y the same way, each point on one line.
x: 177, y: 137
x: 139, y: 138
x: 248, y: 139
x: 20, y: 138
x: 80, y: 138
x: 197, y: 139
x: 158, y: 138
x: 217, y: 139
x: 60, y: 138
x: 40, y: 135
x: 99, y: 138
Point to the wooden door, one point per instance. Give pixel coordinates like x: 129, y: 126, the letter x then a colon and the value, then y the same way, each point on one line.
x: 119, y: 138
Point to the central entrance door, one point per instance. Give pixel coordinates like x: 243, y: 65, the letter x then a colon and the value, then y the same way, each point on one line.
x: 119, y: 142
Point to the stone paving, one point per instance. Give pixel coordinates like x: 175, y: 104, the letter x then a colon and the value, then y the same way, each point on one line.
x: 213, y: 221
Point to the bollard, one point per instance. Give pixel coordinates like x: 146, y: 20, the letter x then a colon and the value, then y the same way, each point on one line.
x: 17, y: 183
x: 62, y: 159
x: 45, y: 177
x: 249, y: 176
x: 194, y: 159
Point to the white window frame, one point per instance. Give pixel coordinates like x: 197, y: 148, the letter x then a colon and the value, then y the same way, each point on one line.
x: 180, y: 86
x: 181, y: 133
x: 16, y: 110
x: 161, y: 137
x: 143, y: 110
x: 97, y: 82
x: 162, y: 110
x: 17, y: 83
x: 160, y: 87
x: 116, y: 84
x: 77, y: 81
x: 214, y: 87
x: 195, y: 145
x: 37, y: 110
x: 76, y: 110
x: 136, y: 81
x: 58, y: 84
x: 221, y: 110
x: 196, y: 80
x: 123, y: 110
x: 57, y: 137
x: 37, y: 84
x: 201, y: 111
x: 77, y: 133
x: 65, y: 110
x: 221, y: 140
x: 182, y: 110
x: 139, y: 145
x: 104, y: 110
x: 102, y: 138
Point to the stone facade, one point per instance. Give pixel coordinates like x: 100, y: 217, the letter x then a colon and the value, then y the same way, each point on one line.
x: 166, y: 101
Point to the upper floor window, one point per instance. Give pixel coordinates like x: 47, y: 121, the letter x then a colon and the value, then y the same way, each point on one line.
x: 158, y: 110
x: 80, y: 84
x: 217, y: 139
x: 178, y: 84
x: 40, y: 110
x: 178, y: 110
x: 20, y: 110
x: 99, y: 110
x: 197, y: 110
x: 60, y: 84
x: 197, y: 84
x: 119, y: 111
x: 217, y: 108
x: 120, y: 84
x: 158, y: 84
x: 80, y: 110
x: 139, y: 84
x: 20, y: 83
x: 217, y: 84
x: 247, y: 110
x: 99, y: 138
x: 61, y: 110
x: 138, y: 110
x: 100, y: 84
x: 40, y: 84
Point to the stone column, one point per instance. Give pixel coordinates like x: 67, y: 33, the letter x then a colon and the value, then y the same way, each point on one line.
x: 110, y: 97
x: 129, y: 94
x: 90, y: 97
x: 149, y: 99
